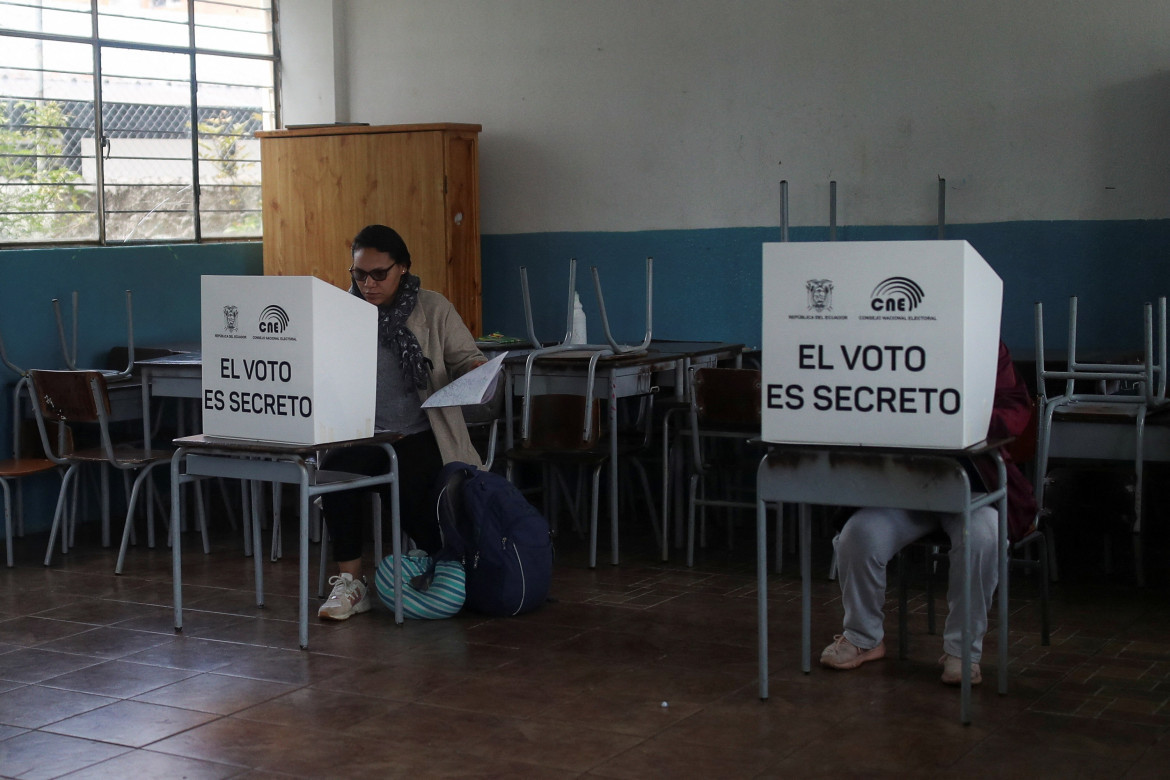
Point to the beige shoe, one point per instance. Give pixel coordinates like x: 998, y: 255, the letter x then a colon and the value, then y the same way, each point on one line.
x: 843, y: 654
x: 953, y: 670
x: 349, y: 597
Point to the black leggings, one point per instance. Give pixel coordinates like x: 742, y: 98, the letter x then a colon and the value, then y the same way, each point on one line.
x: 419, y: 463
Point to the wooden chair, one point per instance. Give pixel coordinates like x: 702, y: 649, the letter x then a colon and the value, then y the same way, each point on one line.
x: 724, y: 415
x: 81, y: 398
x: 556, y: 439
x: 15, y: 469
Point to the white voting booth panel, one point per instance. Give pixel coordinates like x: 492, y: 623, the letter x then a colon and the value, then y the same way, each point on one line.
x: 287, y: 359
x: 879, y: 343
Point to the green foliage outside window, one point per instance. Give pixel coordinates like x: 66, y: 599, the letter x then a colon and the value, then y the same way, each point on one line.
x: 39, y: 195
x: 220, y: 144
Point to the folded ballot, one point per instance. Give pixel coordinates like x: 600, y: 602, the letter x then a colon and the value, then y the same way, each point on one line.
x: 475, y: 387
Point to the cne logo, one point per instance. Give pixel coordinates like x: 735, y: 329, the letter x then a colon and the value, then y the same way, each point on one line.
x: 273, y: 319
x: 897, y: 293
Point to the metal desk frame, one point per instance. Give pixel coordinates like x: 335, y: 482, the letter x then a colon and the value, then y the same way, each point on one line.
x: 206, y: 456
x: 920, y: 479
x: 618, y: 376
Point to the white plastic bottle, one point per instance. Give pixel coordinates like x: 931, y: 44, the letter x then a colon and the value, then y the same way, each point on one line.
x: 578, y: 334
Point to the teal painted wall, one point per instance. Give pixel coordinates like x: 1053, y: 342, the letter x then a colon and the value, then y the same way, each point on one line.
x: 164, y: 280
x: 707, y: 282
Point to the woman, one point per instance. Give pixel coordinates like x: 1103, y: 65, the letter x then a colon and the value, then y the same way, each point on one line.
x: 422, y: 345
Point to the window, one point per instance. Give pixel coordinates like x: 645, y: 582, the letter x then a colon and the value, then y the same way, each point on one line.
x: 127, y: 121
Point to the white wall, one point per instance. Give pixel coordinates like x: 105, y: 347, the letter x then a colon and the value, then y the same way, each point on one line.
x: 313, y: 50
x: 607, y: 115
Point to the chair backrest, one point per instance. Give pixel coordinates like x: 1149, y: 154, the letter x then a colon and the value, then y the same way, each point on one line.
x: 69, y: 396
x: 31, y: 446
x: 558, y: 422
x: 727, y: 396
x: 1147, y: 374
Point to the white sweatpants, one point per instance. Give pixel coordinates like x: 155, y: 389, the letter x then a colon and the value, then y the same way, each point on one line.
x: 870, y: 540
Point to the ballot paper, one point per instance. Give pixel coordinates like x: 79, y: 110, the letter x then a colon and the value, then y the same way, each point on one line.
x: 475, y: 387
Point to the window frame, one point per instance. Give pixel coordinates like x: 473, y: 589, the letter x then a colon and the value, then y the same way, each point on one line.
x: 192, y: 52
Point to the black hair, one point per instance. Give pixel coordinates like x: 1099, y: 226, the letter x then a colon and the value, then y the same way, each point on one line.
x: 382, y: 239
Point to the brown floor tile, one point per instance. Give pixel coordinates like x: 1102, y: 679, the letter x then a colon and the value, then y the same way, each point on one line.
x: 897, y: 745
x: 552, y: 744
x: 34, y: 664
x: 243, y: 602
x: 1086, y: 736
x: 326, y: 710
x: 34, y: 706
x: 105, y: 642
x: 395, y: 682
x: 1004, y: 756
x: 280, y: 748
x: 215, y: 693
x: 431, y: 730
x: 130, y: 723
x: 7, y: 732
x: 146, y: 763
x: 640, y: 716
x: 31, y: 631
x: 295, y: 667
x: 117, y: 678
x: 743, y: 721
x: 195, y: 654
x: 102, y: 612
x: 196, y: 623
x: 1153, y: 764
x: 450, y: 765
x: 655, y: 758
x: 37, y: 754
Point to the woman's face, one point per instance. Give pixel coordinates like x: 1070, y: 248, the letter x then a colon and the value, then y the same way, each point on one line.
x: 367, y: 261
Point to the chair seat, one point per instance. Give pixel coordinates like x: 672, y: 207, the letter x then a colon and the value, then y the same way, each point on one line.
x: 23, y: 467
x: 589, y: 457
x: 126, y: 456
x: 1125, y: 409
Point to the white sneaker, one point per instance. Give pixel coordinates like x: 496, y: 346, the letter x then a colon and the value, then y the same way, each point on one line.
x: 953, y: 670
x: 349, y: 597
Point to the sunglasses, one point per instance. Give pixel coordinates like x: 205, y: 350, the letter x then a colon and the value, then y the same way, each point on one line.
x: 377, y: 274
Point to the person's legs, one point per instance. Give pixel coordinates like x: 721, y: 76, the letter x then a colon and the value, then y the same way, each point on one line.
x: 865, y: 546
x: 343, y: 511
x: 419, y: 464
x: 983, y: 536
x: 343, y: 515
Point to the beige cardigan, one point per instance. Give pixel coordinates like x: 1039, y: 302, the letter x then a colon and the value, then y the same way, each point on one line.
x: 450, y: 347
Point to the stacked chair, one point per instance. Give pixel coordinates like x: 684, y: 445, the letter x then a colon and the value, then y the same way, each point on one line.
x: 1120, y: 395
x: 564, y: 429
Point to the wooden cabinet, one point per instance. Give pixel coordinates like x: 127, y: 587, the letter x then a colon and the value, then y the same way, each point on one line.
x: 321, y: 185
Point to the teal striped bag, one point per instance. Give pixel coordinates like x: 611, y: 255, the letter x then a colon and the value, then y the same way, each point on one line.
x: 443, y: 598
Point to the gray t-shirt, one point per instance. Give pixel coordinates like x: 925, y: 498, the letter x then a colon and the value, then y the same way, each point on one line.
x: 399, y: 408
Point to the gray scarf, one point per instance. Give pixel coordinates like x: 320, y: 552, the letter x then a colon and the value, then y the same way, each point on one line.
x: 395, y: 336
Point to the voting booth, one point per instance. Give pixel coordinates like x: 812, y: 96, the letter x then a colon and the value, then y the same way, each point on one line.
x: 287, y: 359
x: 879, y: 343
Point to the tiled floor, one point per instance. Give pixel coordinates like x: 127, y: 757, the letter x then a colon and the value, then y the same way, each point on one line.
x: 641, y: 670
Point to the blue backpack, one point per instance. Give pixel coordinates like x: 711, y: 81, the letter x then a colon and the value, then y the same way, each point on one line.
x: 504, y: 542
